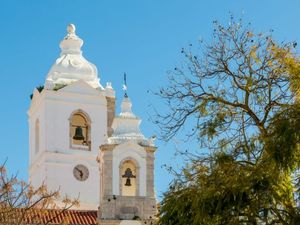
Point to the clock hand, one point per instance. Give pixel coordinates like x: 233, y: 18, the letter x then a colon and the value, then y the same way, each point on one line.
x: 80, y: 172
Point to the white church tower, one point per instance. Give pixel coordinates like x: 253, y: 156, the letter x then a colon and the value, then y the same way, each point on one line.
x: 79, y: 146
x: 68, y: 120
x: 127, y: 172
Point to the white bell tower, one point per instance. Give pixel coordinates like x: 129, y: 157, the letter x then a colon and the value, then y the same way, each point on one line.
x: 68, y: 120
x: 127, y: 172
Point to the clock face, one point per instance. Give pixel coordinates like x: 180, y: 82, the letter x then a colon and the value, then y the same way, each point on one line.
x: 81, y: 172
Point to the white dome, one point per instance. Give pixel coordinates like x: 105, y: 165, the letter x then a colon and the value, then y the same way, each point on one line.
x: 126, y: 127
x: 71, y: 66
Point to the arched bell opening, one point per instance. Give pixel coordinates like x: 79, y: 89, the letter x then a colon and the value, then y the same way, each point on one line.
x: 129, y: 178
x: 80, y: 130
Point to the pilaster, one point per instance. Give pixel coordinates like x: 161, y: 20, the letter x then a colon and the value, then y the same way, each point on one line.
x: 111, y: 105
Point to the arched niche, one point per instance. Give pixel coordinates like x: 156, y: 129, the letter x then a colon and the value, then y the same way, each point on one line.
x: 80, y: 130
x: 129, y: 177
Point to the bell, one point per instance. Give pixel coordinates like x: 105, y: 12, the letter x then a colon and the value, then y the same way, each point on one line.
x: 128, y: 183
x: 128, y: 174
x: 78, y: 134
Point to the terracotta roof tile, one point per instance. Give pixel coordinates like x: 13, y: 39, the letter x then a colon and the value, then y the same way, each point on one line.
x: 55, y: 217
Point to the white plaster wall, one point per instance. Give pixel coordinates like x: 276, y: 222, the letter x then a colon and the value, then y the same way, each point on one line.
x: 37, y: 112
x: 129, y: 150
x: 37, y: 173
x: 56, y: 171
x: 55, y: 161
x: 58, y: 111
x: 59, y: 170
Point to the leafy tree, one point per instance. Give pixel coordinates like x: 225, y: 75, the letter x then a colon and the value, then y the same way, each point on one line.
x: 237, y: 96
x: 21, y: 204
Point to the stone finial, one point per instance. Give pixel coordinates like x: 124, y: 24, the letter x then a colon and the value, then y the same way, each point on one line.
x: 71, y: 44
x: 126, y: 108
x: 71, y: 66
x: 71, y: 28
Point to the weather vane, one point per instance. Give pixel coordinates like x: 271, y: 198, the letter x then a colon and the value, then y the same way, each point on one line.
x: 125, y: 86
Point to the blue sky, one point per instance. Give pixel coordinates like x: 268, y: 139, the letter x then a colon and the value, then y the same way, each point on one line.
x: 140, y: 37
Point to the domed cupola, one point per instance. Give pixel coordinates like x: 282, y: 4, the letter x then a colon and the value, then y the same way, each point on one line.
x: 71, y: 66
x: 126, y: 127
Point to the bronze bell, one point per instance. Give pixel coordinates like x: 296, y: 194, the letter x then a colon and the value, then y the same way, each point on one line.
x: 128, y: 183
x: 78, y: 134
x: 128, y: 174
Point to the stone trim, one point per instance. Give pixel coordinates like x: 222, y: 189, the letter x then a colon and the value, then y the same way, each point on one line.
x: 150, y: 174
x: 107, y: 147
x: 111, y: 107
x: 106, y: 172
x: 150, y: 148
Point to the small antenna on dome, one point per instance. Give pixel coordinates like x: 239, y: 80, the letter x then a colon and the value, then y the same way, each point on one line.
x: 125, y: 86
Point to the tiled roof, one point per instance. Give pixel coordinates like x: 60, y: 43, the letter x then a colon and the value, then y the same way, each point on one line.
x: 55, y: 217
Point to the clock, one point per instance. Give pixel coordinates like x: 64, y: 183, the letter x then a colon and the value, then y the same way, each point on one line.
x: 81, y: 172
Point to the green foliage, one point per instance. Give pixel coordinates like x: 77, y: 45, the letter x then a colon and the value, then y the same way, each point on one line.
x: 39, y: 88
x: 239, y: 95
x: 58, y: 86
x: 284, y: 138
x: 230, y: 193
